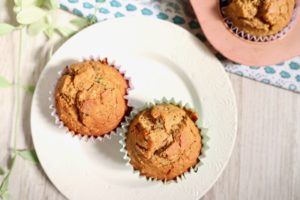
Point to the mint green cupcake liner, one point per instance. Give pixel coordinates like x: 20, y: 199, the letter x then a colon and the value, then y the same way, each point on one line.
x: 203, y: 133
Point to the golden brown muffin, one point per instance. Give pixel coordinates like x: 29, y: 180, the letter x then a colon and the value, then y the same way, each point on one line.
x: 260, y: 17
x: 90, y: 98
x: 163, y: 142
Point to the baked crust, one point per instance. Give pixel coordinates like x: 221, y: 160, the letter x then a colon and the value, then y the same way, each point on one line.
x: 90, y: 98
x: 163, y: 142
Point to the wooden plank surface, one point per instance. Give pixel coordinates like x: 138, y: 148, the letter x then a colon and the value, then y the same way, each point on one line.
x: 265, y: 164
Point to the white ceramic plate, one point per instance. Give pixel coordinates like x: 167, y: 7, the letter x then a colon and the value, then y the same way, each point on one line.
x: 162, y: 60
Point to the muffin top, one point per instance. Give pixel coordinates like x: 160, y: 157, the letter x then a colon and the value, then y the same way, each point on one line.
x: 163, y: 142
x: 260, y: 17
x: 90, y: 98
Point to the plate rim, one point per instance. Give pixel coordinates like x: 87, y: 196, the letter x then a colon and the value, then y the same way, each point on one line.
x: 248, y: 53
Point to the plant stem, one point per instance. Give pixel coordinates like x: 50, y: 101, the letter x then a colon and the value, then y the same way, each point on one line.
x: 17, y: 93
x: 5, y: 179
x: 17, y: 108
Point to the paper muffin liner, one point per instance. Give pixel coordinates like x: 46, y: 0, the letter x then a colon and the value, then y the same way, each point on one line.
x: 80, y: 136
x: 203, y: 134
x: 253, y: 38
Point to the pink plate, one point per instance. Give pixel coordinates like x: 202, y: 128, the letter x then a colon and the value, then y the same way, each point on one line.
x: 240, y: 50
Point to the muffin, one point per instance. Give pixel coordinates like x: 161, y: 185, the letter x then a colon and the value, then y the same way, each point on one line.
x: 163, y: 142
x: 89, y: 98
x: 260, y: 17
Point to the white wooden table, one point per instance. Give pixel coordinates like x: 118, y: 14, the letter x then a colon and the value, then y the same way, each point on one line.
x: 265, y: 164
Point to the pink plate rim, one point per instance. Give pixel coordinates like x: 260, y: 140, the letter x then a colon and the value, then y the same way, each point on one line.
x: 239, y: 50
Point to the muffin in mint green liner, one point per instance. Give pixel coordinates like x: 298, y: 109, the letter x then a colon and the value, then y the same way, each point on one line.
x: 163, y: 141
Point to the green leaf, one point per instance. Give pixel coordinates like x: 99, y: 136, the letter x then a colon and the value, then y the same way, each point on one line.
x: 6, y: 28
x: 54, y: 4
x: 4, y: 185
x: 51, y: 4
x: 27, y: 3
x: 5, y: 195
x: 37, y: 27
x: 50, y: 53
x: 11, y: 162
x: 1, y: 171
x: 4, y: 83
x: 49, y: 31
x: 39, y: 2
x: 28, y: 155
x: 17, y: 2
x: 17, y: 9
x: 30, y: 88
x: 80, y: 22
x: 49, y: 20
x: 64, y: 31
x: 30, y: 15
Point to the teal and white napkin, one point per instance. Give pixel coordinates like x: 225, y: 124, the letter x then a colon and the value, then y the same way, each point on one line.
x: 285, y: 75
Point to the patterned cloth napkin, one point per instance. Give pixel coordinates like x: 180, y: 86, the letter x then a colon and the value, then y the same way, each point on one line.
x: 284, y: 75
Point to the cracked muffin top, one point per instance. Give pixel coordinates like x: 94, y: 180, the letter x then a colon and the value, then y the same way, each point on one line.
x: 260, y: 17
x: 163, y: 142
x: 90, y: 98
